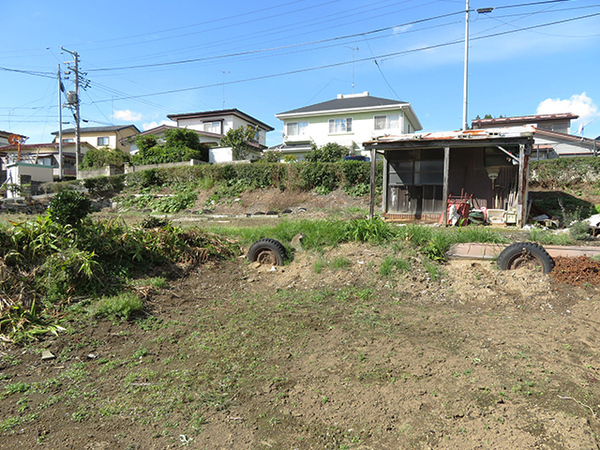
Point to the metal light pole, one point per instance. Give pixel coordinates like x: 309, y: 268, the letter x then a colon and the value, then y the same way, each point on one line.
x: 466, y: 75
x: 466, y: 79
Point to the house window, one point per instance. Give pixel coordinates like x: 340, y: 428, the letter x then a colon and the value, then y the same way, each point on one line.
x: 387, y: 122
x: 103, y: 141
x: 46, y: 161
x: 68, y: 141
x: 340, y: 125
x: 296, y: 128
x: 212, y: 127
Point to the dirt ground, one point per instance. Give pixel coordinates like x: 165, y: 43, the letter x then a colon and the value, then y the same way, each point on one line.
x: 327, y: 352
x: 467, y: 357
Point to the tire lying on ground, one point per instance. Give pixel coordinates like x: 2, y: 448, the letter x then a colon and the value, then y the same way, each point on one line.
x: 267, y: 251
x: 525, y: 255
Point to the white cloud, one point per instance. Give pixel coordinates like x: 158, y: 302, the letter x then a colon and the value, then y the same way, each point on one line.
x: 579, y: 104
x: 402, y: 29
x: 149, y: 126
x: 127, y: 115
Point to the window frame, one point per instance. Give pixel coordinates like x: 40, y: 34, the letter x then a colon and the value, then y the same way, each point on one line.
x: 300, y: 128
x: 103, y: 138
x: 218, y: 124
x: 340, y: 125
x: 389, y: 122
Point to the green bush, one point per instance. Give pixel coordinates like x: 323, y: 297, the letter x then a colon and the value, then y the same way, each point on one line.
x: 99, y: 158
x: 320, y: 175
x: 328, y: 153
x: 104, y: 185
x: 69, y: 208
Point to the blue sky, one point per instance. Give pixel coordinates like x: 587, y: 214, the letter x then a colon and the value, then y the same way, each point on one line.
x: 145, y: 60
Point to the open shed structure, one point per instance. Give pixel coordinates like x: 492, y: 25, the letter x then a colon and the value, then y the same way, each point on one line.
x: 425, y: 173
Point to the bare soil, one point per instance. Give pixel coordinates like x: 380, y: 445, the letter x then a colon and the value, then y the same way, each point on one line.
x: 323, y: 353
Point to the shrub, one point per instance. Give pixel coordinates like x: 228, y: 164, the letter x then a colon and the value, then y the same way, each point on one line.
x: 98, y: 158
x: 319, y: 174
x: 69, y: 208
x: 104, y: 185
x: 330, y: 152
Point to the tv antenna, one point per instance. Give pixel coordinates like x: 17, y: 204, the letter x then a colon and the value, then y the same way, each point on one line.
x: 354, y: 50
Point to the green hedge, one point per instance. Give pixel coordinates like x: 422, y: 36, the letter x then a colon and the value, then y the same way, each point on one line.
x: 561, y: 172
x: 323, y: 177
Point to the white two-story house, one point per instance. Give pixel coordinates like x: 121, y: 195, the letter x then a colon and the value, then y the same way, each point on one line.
x: 348, y: 120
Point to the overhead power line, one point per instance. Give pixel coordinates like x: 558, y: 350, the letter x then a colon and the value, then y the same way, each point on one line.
x: 378, y: 58
x: 283, y: 47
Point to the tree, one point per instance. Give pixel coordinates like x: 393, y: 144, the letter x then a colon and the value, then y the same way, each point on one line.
x: 330, y: 152
x: 98, y: 158
x: 181, y: 144
x: 239, y: 141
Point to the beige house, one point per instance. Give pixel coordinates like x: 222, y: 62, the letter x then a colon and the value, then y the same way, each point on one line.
x: 99, y: 137
x: 552, y: 135
x: 43, y: 154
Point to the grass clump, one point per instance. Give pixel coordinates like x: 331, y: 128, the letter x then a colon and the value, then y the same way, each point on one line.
x: 121, y: 306
x: 373, y: 231
x: 393, y: 264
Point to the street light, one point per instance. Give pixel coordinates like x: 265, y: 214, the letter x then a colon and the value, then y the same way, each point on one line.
x: 466, y: 75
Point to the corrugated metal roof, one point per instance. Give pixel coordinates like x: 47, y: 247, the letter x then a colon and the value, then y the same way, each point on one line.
x: 483, y: 123
x: 466, y: 135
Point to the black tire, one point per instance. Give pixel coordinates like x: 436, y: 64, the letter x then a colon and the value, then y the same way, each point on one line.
x: 267, y: 251
x: 525, y: 254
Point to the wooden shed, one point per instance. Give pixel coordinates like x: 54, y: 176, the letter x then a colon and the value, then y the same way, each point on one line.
x: 425, y: 173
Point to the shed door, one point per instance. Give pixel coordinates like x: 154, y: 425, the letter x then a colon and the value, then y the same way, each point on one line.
x: 416, y: 181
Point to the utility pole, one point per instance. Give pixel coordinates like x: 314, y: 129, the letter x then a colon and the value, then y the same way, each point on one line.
x: 60, y: 139
x: 75, y: 102
x: 466, y: 76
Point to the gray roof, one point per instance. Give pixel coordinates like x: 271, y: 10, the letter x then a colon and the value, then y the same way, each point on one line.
x: 98, y: 129
x: 354, y: 102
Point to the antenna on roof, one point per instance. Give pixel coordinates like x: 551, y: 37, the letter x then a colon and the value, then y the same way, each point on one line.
x: 354, y: 49
x: 224, y: 72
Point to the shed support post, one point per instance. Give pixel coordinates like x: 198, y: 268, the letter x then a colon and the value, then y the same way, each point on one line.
x: 372, y: 185
x: 445, y: 186
x: 522, y: 206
